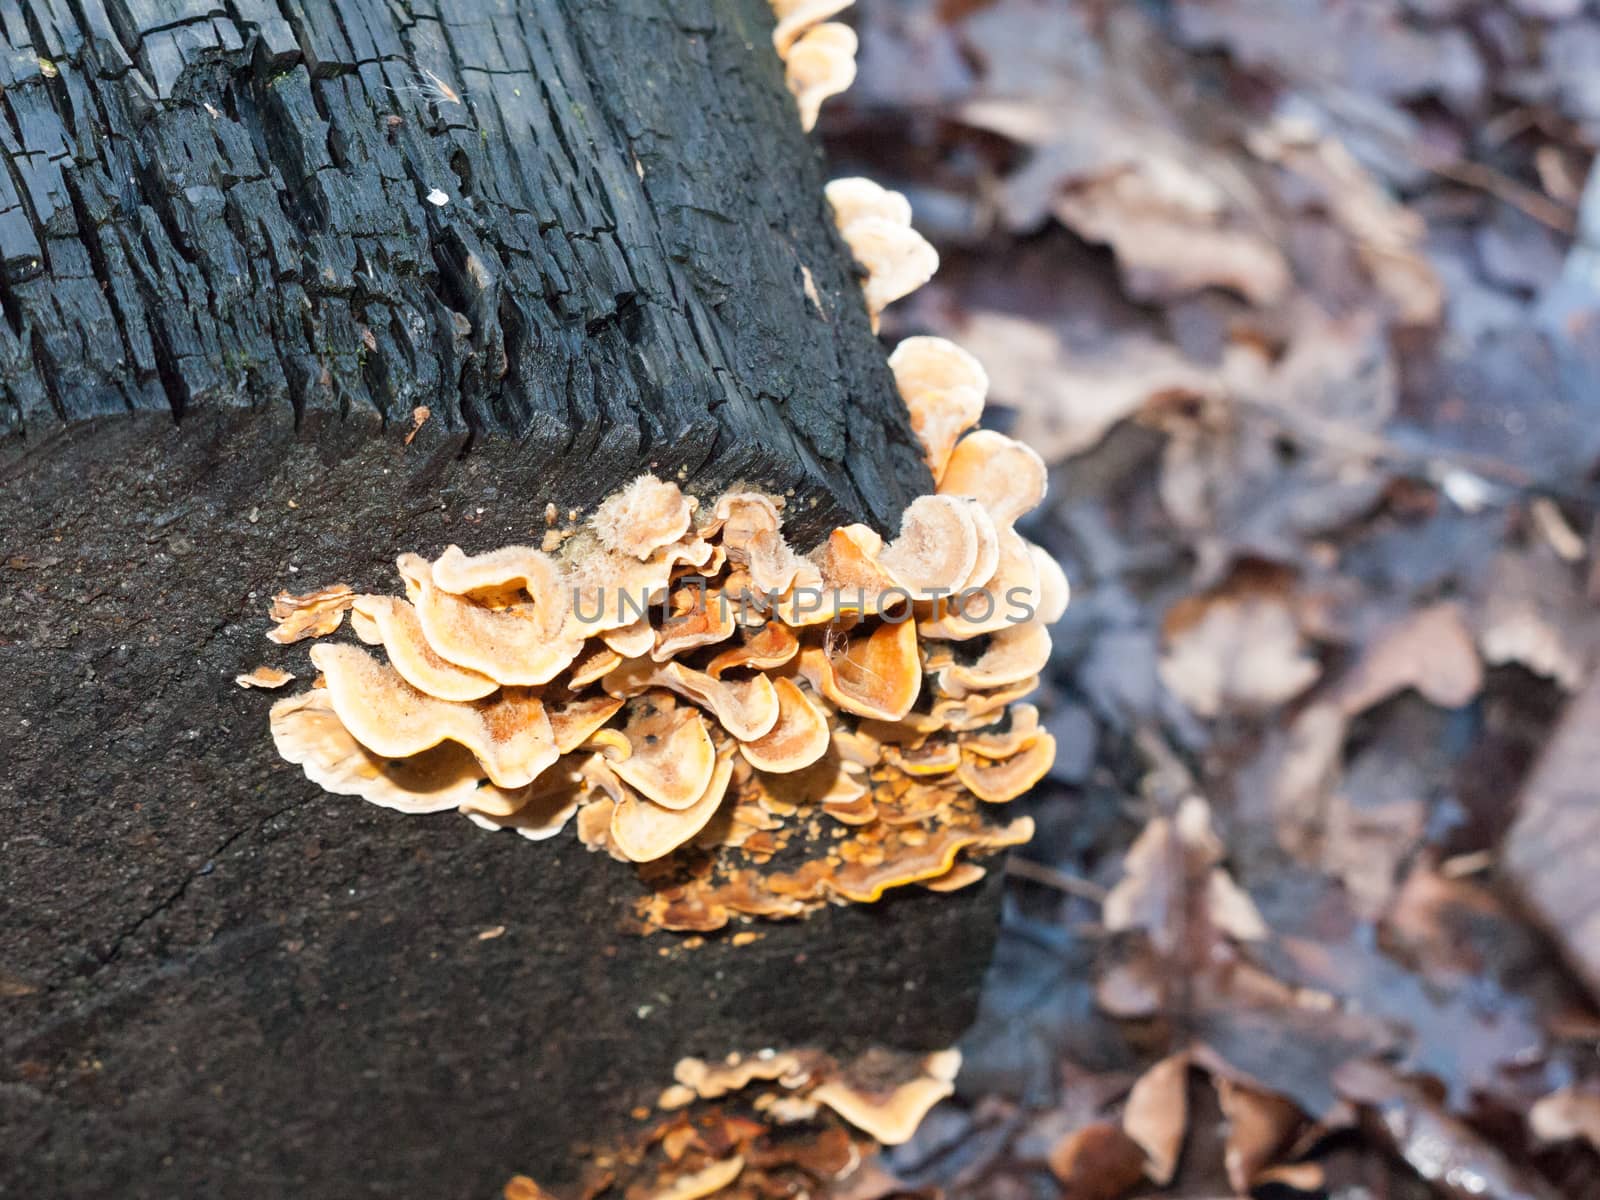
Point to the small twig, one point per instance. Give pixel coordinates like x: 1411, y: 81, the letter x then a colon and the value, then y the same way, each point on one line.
x: 1038, y: 872
x: 1501, y: 186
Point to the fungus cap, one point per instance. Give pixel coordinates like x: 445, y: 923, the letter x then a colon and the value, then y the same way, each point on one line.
x: 963, y: 874
x: 897, y: 259
x: 854, y: 197
x: 707, y: 1181
x: 308, y: 732
x: 876, y: 674
x: 797, y: 16
x: 645, y: 831
x: 936, y: 549
x: 510, y: 736
x: 821, y: 63
x: 944, y: 389
x: 543, y: 816
x: 711, y: 1080
x: 994, y: 742
x: 893, y: 1116
x: 747, y: 709
x: 393, y: 623
x: 1012, y: 655
x: 701, y: 616
x: 314, y: 614
x: 935, y: 364
x: 593, y: 665
x: 939, y: 419
x: 1054, y: 590
x: 267, y: 678
x: 751, y: 534
x: 522, y: 644
x: 575, y: 719
x: 762, y: 648
x: 610, y: 591
x: 631, y: 640
x: 799, y: 738
x: 847, y: 564
x: 642, y: 518
x: 507, y: 569
x: 671, y: 759
x: 999, y: 782
x: 1009, y: 596
x: 1002, y: 474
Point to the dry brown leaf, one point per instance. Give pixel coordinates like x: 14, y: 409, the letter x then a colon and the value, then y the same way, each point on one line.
x: 1231, y: 909
x: 1385, y: 235
x: 1235, y: 651
x: 1360, y: 831
x: 1430, y: 650
x: 1261, y: 1126
x: 1565, y: 1114
x: 1068, y: 399
x: 1157, y: 1116
x: 1171, y: 867
x: 419, y: 417
x: 1551, y: 856
x: 1097, y: 1162
x: 1460, y: 1162
x: 1534, y: 614
x: 1170, y: 228
x: 1299, y: 1177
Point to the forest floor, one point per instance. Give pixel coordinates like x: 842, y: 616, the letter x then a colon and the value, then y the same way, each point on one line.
x: 1296, y: 299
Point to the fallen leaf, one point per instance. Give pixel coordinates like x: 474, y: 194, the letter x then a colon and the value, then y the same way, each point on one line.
x: 1430, y: 650
x: 1097, y: 1162
x: 1236, y: 649
x: 1552, y: 853
x: 419, y: 417
x: 1459, y: 1162
x: 1261, y: 1126
x: 1068, y: 398
x: 1534, y: 613
x: 1157, y: 1116
x: 1566, y: 1114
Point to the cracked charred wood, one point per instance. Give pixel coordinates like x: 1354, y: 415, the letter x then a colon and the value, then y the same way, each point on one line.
x: 241, y: 248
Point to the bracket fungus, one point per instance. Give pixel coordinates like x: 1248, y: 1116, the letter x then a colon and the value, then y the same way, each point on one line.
x: 773, y: 1123
x: 797, y: 16
x: 876, y: 224
x: 315, y: 614
x: 865, y: 740
x: 819, y: 55
x: 759, y: 731
x: 820, y: 63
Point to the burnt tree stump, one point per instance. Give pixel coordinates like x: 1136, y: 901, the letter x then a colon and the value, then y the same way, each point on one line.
x: 227, y: 280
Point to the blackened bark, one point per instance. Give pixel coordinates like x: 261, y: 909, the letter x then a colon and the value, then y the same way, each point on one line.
x: 224, y: 291
x: 226, y: 210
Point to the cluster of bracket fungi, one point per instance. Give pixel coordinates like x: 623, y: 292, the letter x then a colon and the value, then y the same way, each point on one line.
x: 699, y: 699
x: 775, y: 1123
x: 761, y: 732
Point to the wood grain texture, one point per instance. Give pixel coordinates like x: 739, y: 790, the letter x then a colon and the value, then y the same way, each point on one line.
x: 228, y: 208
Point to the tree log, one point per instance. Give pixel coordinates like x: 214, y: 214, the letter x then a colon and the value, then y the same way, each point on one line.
x: 240, y: 248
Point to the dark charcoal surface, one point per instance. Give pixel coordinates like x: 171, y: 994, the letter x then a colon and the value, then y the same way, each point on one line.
x: 217, y: 979
x: 223, y: 292
x: 203, y: 212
